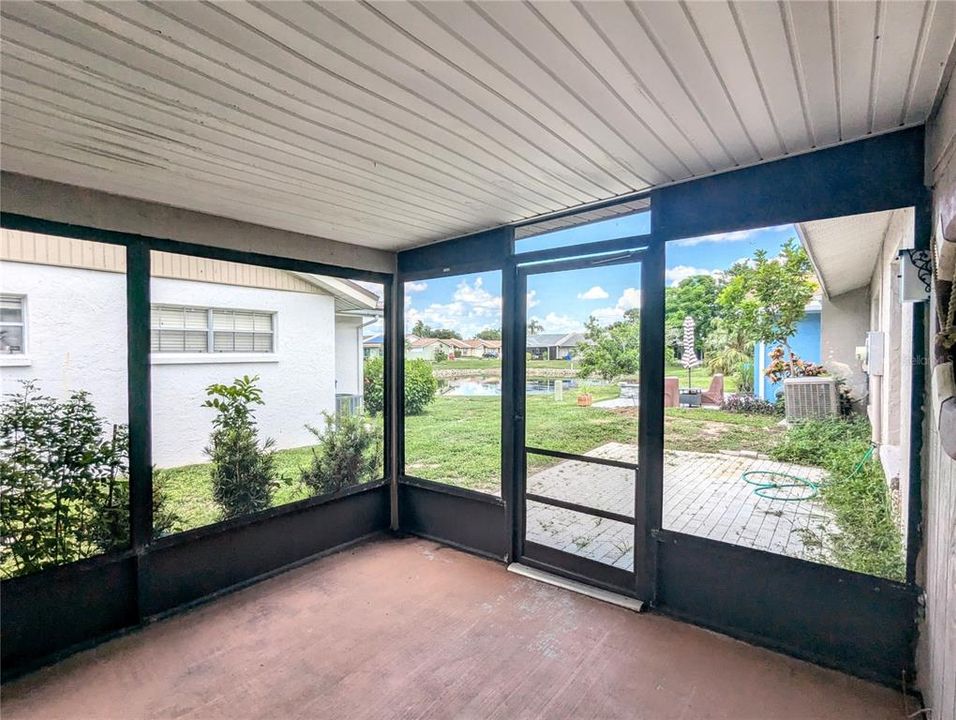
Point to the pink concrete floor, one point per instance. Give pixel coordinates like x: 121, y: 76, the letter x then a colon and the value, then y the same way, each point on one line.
x: 411, y: 629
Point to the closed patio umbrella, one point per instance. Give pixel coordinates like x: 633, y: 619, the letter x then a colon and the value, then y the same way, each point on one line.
x: 689, y: 357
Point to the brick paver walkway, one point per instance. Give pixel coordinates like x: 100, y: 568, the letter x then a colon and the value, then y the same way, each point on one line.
x: 704, y: 495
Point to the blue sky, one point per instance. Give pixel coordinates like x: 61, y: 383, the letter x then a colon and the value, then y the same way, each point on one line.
x: 562, y: 302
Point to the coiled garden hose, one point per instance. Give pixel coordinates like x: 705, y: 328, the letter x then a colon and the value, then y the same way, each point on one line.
x: 768, y: 487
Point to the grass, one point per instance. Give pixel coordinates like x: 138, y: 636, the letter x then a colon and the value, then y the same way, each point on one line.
x: 868, y: 539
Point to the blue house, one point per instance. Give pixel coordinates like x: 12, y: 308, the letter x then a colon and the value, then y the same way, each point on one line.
x: 806, y: 342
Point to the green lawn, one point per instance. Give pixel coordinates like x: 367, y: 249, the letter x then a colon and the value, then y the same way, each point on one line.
x: 458, y: 440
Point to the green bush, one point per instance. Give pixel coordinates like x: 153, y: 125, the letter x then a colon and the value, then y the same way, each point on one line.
x: 64, y: 474
x: 373, y: 397
x: 243, y: 471
x: 348, y: 453
x: 421, y: 386
x: 869, y: 539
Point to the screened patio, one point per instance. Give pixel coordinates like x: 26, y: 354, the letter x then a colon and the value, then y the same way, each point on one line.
x: 278, y: 437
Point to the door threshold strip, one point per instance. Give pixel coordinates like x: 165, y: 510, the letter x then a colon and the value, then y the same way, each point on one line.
x: 607, y: 596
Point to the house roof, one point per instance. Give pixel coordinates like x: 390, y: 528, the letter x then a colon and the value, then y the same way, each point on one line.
x: 844, y: 251
x: 496, y: 112
x: 350, y: 297
x: 555, y: 339
x: 374, y: 340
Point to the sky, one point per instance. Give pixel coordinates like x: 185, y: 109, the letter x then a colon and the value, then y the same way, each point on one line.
x: 562, y: 302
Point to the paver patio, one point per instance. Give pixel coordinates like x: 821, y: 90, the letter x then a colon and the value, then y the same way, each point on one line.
x: 704, y: 495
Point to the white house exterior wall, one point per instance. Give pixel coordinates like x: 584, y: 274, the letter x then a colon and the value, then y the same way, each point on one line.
x: 348, y: 355
x: 67, y: 351
x: 75, y: 334
x: 297, y: 380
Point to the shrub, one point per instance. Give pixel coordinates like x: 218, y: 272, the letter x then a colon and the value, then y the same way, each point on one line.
x: 421, y: 386
x: 373, y: 397
x: 243, y: 471
x: 347, y: 453
x: 869, y: 539
x: 65, y: 482
x: 749, y: 404
x: 440, y: 356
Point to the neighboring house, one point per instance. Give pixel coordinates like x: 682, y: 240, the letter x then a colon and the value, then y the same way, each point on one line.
x: 426, y: 348
x: 856, y: 263
x: 554, y: 346
x: 481, y: 348
x: 64, y: 324
x: 805, y: 343
x: 373, y: 346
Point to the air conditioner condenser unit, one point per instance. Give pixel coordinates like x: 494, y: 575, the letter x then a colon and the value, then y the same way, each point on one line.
x: 810, y: 398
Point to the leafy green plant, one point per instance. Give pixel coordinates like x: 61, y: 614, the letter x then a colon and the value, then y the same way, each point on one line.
x: 766, y: 297
x: 373, y: 386
x: 868, y: 539
x: 420, y: 386
x: 348, y: 453
x: 440, y: 356
x: 747, y: 404
x: 64, y: 474
x: 611, y: 351
x: 243, y: 470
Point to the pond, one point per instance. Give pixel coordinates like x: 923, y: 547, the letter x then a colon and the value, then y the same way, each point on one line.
x: 479, y: 386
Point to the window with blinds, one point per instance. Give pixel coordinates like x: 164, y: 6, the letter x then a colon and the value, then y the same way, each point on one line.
x: 12, y: 325
x: 210, y: 330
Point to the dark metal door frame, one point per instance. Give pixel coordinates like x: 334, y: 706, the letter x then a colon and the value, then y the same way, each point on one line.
x: 640, y: 581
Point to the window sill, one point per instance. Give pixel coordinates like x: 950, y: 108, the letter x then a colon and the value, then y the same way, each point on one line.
x: 15, y: 361
x: 211, y: 358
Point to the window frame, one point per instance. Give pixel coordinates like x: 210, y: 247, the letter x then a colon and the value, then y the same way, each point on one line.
x: 210, y: 334
x: 24, y: 337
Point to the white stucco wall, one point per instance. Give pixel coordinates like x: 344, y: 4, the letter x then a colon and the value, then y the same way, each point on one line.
x: 890, y: 415
x: 843, y: 326
x: 76, y: 334
x: 348, y: 355
x: 76, y: 325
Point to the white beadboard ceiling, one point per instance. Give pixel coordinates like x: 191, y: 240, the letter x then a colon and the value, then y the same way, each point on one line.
x: 395, y: 124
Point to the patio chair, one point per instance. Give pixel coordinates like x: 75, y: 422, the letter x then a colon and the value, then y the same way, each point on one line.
x: 714, y: 395
x: 671, y: 392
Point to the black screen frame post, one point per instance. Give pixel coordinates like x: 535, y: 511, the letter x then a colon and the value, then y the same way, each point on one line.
x: 139, y: 377
x: 649, y: 500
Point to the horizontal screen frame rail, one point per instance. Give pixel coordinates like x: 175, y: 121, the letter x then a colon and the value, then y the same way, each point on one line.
x: 582, y: 458
x: 583, y: 509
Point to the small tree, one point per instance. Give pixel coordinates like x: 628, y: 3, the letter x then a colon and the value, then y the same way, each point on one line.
x: 765, y: 299
x: 695, y: 296
x: 535, y: 327
x: 611, y: 351
x: 243, y: 472
x: 420, y: 386
x: 440, y: 356
x: 347, y: 454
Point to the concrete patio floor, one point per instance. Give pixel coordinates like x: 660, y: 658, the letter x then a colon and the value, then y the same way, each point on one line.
x: 411, y: 630
x: 704, y: 495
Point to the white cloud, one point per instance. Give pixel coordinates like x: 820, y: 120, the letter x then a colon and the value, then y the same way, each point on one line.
x: 681, y: 272
x: 532, y: 300
x: 630, y: 299
x: 554, y: 323
x: 415, y: 286
x: 595, y: 293
x: 735, y: 236
x: 471, y: 309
